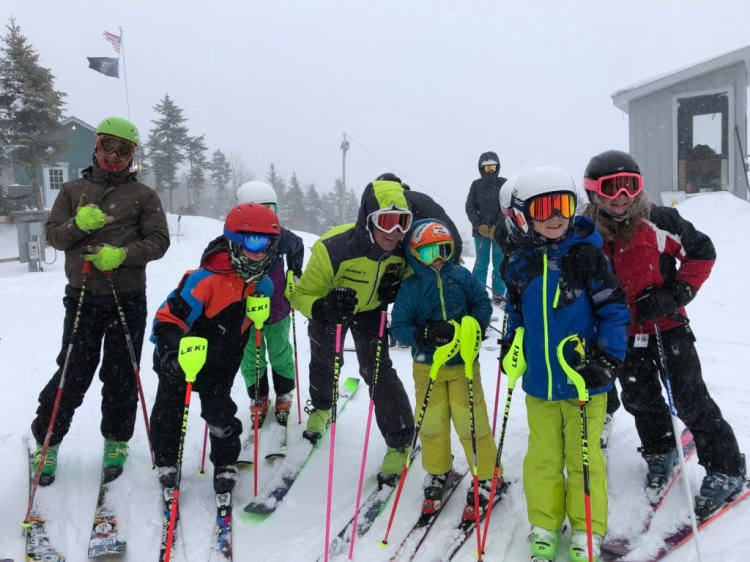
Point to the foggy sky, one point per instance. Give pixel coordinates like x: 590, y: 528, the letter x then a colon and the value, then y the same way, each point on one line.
x: 422, y: 87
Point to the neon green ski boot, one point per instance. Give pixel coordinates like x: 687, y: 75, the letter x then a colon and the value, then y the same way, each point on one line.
x: 394, y: 460
x: 115, y: 455
x: 50, y: 463
x: 543, y: 543
x: 317, y: 423
x: 579, y: 546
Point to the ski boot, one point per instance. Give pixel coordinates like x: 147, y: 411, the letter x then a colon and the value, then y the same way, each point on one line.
x: 498, y: 300
x: 259, y: 408
x: 579, y: 546
x: 50, y: 463
x: 394, y: 460
x: 434, y: 489
x: 485, y: 487
x: 317, y: 423
x: 282, y: 407
x: 115, y: 455
x: 609, y: 420
x: 225, y: 477
x: 660, y: 468
x: 543, y: 543
x: 716, y: 490
x: 167, y: 476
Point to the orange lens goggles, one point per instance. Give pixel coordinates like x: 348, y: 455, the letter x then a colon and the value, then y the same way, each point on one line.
x: 113, y: 144
x: 542, y: 208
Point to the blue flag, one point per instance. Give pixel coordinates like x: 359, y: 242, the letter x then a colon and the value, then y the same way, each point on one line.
x: 106, y: 65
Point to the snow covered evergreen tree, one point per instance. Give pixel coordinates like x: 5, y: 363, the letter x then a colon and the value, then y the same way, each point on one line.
x: 168, y: 142
x: 30, y: 108
x: 294, y: 207
x: 221, y: 173
x: 198, y: 165
x: 279, y: 185
x: 314, y: 217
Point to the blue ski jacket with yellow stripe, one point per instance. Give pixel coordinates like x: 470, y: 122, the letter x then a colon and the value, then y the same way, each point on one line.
x: 431, y: 296
x: 560, y: 289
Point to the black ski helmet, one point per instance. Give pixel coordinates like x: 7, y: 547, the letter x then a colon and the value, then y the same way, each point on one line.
x: 610, y: 162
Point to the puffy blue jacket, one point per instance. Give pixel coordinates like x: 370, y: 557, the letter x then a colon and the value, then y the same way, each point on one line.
x: 431, y: 296
x: 560, y: 289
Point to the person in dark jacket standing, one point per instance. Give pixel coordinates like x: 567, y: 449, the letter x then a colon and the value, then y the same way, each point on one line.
x: 645, y: 242
x: 353, y: 272
x: 483, y: 210
x: 117, y: 223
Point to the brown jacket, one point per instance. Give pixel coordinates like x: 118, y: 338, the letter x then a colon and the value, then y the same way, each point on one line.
x: 139, y: 225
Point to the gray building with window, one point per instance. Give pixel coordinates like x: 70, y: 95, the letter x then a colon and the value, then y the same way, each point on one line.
x: 688, y: 127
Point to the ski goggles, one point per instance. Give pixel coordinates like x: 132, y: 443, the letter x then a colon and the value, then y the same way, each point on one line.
x: 117, y: 145
x: 252, y: 242
x: 543, y: 207
x: 490, y: 168
x: 390, y: 220
x: 612, y: 186
x: 428, y: 253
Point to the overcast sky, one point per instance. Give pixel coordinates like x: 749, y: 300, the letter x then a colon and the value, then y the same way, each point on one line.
x: 421, y: 87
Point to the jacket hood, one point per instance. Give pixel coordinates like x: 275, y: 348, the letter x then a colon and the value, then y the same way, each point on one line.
x: 488, y: 156
x: 216, y: 258
x: 417, y: 266
x: 377, y: 195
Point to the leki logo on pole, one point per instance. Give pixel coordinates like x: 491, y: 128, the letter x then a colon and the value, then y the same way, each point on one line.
x: 192, y: 357
x: 258, y: 309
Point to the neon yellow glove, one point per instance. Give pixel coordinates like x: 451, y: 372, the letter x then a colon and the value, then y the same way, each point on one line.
x: 90, y: 217
x: 107, y: 257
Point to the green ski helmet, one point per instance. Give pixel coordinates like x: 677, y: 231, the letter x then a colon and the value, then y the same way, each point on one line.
x: 119, y: 127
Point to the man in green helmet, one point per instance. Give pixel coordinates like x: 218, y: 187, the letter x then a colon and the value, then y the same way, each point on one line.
x: 118, y: 224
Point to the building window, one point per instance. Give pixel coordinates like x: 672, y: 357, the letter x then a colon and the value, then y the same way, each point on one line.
x: 55, y: 178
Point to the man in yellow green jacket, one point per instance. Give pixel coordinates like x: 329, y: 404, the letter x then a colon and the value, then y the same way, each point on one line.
x: 354, y: 271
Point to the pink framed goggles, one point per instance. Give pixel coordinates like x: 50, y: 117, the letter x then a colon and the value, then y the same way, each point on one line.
x: 613, y: 185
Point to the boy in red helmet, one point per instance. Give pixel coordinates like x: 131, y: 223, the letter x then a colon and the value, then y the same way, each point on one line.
x: 210, y: 302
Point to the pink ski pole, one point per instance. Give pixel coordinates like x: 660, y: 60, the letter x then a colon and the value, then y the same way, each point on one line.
x: 336, y: 371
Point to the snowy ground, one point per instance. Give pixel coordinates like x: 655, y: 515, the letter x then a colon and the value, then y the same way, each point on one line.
x: 30, y: 331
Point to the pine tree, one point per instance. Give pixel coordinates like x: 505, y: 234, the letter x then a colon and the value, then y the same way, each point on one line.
x: 331, y: 209
x: 221, y: 173
x: 314, y: 218
x: 30, y: 108
x: 351, y: 206
x: 168, y: 142
x: 198, y: 165
x: 279, y: 185
x: 294, y: 205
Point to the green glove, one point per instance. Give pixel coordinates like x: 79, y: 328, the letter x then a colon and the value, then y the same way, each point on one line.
x: 90, y: 217
x: 107, y: 257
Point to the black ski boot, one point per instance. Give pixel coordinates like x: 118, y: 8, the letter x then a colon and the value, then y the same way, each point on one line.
x: 225, y: 477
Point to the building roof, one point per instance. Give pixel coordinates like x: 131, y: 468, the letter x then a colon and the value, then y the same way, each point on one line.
x: 78, y: 122
x: 623, y: 96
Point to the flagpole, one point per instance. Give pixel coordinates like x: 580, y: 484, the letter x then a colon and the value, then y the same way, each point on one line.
x: 124, y: 73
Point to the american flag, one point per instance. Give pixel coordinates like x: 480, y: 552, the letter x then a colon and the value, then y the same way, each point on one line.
x: 114, y: 39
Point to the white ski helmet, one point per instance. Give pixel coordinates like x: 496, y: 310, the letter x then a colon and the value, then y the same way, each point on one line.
x: 258, y: 192
x: 529, y: 185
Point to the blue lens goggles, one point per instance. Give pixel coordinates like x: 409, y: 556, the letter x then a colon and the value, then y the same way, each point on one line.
x: 251, y: 242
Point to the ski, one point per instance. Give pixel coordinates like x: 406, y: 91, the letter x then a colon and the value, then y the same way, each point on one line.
x: 221, y: 549
x: 167, y: 498
x: 38, y: 545
x: 418, y: 533
x: 369, y: 510
x: 282, y: 481
x: 277, y: 443
x: 467, y: 527
x: 104, y: 540
x: 614, y: 549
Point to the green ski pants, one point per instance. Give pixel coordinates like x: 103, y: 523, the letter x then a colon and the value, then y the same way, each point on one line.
x: 275, y: 339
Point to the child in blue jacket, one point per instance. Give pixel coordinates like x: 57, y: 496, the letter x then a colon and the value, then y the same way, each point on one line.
x: 440, y: 291
x: 560, y: 285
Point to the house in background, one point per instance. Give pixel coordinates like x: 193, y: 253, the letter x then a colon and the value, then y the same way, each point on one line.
x: 688, y: 127
x: 70, y: 162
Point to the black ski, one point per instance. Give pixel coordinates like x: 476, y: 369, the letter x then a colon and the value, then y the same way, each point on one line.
x: 221, y: 547
x: 418, y: 533
x: 263, y: 506
x: 104, y: 540
x: 38, y: 545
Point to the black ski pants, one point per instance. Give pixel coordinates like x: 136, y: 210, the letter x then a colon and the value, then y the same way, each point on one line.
x: 642, y: 396
x: 99, y: 322
x: 393, y: 412
x: 213, y: 387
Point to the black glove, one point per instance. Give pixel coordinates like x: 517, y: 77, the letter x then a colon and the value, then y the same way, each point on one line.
x: 435, y: 334
x: 295, y: 266
x: 599, y: 368
x: 336, y: 307
x: 505, y: 346
x: 169, y: 366
x: 654, y: 303
x: 389, y: 286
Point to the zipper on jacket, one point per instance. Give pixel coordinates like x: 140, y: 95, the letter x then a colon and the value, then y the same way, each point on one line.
x: 557, y: 296
x: 377, y: 280
x: 439, y: 280
x: 546, y: 325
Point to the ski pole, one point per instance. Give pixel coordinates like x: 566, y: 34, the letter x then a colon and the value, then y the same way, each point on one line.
x: 381, y: 332
x: 203, y: 453
x: 675, y: 430
x: 442, y: 354
x: 58, y: 396
x: 134, y: 363
x: 192, y: 357
x: 336, y: 371
x: 288, y: 290
x: 499, y: 375
x: 258, y: 309
x: 583, y: 398
x: 471, y: 339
